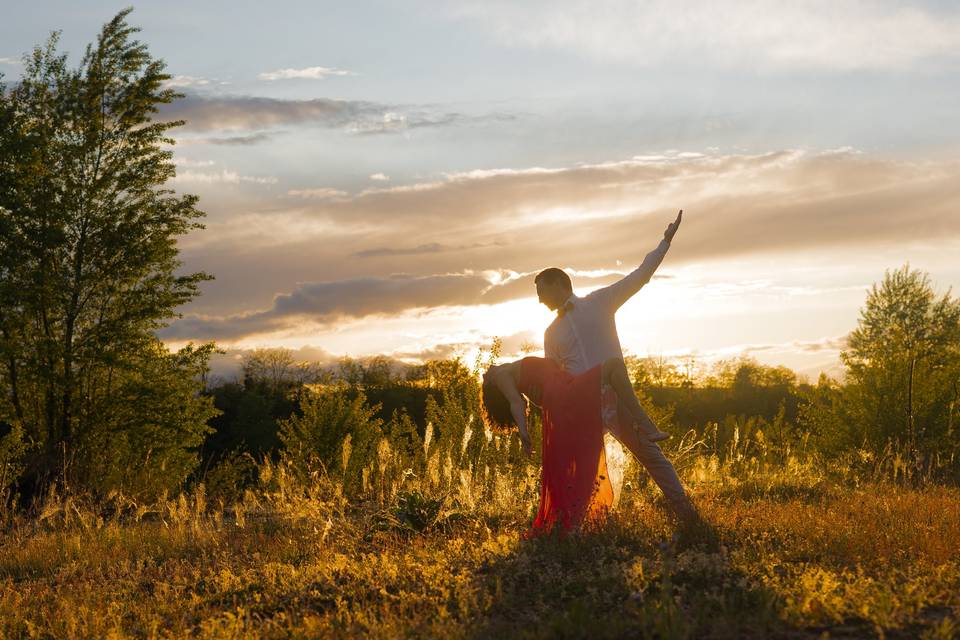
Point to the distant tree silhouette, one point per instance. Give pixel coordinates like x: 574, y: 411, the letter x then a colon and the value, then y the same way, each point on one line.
x: 88, y: 254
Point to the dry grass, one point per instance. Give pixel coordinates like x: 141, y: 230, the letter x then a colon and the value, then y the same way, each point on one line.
x: 779, y: 560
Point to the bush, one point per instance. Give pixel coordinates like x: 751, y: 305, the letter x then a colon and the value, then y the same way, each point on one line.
x: 335, y: 434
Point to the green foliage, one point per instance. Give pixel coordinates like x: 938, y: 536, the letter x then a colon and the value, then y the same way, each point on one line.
x: 13, y: 449
x: 414, y: 512
x: 903, y: 365
x: 334, y: 433
x: 88, y: 261
x: 230, y: 475
x: 149, y: 427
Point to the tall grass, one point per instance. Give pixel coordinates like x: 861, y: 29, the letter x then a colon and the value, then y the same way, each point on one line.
x: 422, y: 536
x: 294, y: 559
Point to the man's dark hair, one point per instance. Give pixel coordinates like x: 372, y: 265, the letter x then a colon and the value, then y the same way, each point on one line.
x: 554, y: 275
x: 496, y: 407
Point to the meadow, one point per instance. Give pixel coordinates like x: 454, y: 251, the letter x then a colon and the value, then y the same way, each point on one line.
x: 793, y: 552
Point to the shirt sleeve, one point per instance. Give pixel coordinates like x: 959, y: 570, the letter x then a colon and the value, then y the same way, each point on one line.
x: 619, y: 292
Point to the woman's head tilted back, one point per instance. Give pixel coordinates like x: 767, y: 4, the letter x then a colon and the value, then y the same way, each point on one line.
x: 496, y: 407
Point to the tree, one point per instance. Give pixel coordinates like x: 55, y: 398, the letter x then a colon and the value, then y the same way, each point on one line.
x: 88, y: 255
x: 278, y: 371
x: 903, y: 362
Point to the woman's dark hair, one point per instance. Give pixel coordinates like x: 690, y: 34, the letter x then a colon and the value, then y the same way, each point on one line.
x: 496, y: 407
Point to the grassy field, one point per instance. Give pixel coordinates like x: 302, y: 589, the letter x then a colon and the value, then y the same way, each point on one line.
x: 789, y: 559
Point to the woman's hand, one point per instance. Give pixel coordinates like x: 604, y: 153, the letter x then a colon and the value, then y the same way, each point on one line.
x: 535, y: 394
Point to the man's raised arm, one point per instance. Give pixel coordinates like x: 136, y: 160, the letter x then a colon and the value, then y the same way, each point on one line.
x: 621, y: 291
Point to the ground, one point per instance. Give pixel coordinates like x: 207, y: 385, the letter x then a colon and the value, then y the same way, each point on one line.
x: 774, y: 560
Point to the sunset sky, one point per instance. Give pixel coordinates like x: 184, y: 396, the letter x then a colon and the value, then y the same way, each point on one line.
x: 387, y: 177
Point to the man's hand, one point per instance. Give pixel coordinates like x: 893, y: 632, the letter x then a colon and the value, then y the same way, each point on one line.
x: 672, y: 228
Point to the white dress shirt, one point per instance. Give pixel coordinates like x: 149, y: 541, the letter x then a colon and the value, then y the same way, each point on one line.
x: 586, y: 335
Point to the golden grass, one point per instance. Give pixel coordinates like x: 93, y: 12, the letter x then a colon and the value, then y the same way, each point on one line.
x: 779, y: 560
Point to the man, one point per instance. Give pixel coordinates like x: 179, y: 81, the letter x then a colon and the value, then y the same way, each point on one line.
x: 584, y: 334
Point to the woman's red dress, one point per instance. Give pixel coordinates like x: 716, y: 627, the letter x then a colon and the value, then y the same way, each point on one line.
x: 575, y: 488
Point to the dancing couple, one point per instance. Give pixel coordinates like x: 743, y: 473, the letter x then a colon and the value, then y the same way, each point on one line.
x: 583, y: 390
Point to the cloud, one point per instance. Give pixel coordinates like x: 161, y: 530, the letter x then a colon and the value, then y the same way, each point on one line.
x: 379, y: 177
x: 186, y: 81
x: 240, y: 113
x: 11, y: 61
x: 189, y: 162
x: 475, y: 238
x: 836, y: 343
x: 321, y: 194
x: 512, y: 346
x: 228, y: 141
x: 224, y: 176
x: 736, y: 205
x: 245, y: 113
x: 830, y: 35
x: 308, y: 73
x: 239, y: 141
x: 832, y: 346
x: 432, y: 247
x: 323, y: 303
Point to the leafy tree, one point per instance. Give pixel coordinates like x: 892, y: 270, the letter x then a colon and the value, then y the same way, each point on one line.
x: 88, y: 255
x: 149, y: 428
x: 903, y: 364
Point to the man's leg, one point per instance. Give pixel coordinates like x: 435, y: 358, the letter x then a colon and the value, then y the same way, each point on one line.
x: 615, y: 374
x: 652, y: 458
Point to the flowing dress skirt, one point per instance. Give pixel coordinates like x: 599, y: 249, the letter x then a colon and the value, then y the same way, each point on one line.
x: 575, y: 486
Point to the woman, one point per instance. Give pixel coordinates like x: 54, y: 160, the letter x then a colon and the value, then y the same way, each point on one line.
x: 575, y: 488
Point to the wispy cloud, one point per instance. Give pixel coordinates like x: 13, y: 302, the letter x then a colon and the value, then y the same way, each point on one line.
x: 319, y: 194
x: 229, y: 141
x: 186, y: 81
x: 190, y: 162
x: 242, y: 113
x: 10, y: 61
x: 511, y: 346
x: 307, y: 73
x: 257, y: 114
x: 379, y: 177
x: 223, y: 176
x: 432, y: 247
x: 830, y: 35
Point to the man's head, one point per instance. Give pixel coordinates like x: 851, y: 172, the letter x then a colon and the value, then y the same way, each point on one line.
x: 553, y: 287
